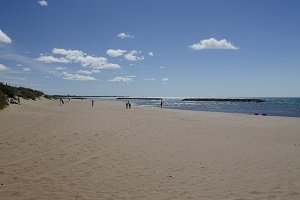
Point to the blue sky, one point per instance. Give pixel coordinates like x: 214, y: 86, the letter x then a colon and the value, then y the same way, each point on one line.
x: 151, y: 47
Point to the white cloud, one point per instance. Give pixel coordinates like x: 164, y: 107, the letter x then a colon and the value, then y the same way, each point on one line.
x: 69, y: 76
x: 165, y: 79
x: 212, y: 43
x: 25, y: 69
x: 60, y: 68
x: 19, y: 65
x: 149, y: 79
x: 126, y: 79
x: 125, y: 35
x: 51, y: 59
x: 4, y: 38
x: 70, y: 54
x: 86, y: 60
x: 88, y: 72
x: 151, y: 54
x: 96, y: 62
x: 76, y: 77
x: 161, y: 67
x: 43, y: 3
x: 115, y: 53
x: 3, y: 67
x: 77, y: 56
x: 132, y: 56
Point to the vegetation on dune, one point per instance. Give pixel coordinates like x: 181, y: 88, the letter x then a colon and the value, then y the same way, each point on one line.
x: 7, y: 91
x: 28, y: 93
x: 3, y: 101
x: 49, y: 97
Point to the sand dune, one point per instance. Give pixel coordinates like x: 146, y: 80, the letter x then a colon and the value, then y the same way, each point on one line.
x: 74, y: 151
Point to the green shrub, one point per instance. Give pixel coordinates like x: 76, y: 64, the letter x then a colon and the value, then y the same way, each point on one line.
x: 8, y: 90
x: 47, y: 96
x: 28, y: 93
x: 3, y: 101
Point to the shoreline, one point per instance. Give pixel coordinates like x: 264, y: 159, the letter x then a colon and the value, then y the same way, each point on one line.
x: 190, y: 110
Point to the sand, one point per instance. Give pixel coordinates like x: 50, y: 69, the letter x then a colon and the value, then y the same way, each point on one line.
x: 74, y: 151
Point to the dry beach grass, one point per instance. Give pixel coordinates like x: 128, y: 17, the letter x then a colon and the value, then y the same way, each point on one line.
x: 74, y: 151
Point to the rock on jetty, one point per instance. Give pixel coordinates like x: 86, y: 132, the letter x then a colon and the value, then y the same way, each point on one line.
x: 224, y: 100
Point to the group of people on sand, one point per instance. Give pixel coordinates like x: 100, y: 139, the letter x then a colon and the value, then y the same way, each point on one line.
x: 128, y: 105
x: 61, y: 100
x: 14, y: 100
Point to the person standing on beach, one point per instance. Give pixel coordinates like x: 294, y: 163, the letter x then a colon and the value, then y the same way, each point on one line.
x: 161, y: 103
x: 61, y: 101
x: 93, y: 103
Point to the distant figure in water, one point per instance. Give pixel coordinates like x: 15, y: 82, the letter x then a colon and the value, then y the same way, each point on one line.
x: 93, y: 103
x: 161, y: 103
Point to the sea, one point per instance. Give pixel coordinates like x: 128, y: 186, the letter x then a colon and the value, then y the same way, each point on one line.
x: 288, y: 107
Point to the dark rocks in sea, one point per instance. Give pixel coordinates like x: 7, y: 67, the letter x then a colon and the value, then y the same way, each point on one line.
x: 224, y: 100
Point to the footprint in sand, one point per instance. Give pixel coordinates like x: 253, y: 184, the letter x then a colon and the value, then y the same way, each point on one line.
x: 255, y: 192
x: 294, y: 193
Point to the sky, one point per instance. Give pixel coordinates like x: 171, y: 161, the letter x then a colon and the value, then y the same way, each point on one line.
x: 178, y: 48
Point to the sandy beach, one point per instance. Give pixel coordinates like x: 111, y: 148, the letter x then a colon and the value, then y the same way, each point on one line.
x: 73, y: 151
